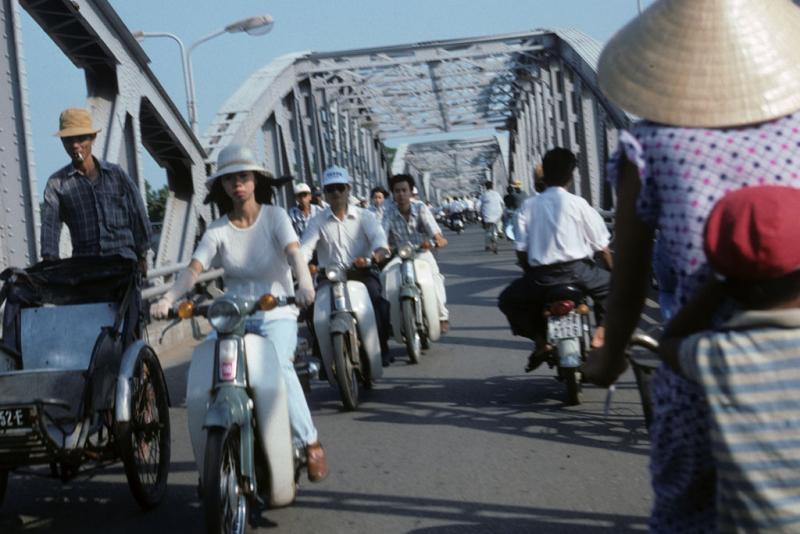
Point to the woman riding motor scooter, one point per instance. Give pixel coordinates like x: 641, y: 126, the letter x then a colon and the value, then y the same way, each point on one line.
x: 256, y: 245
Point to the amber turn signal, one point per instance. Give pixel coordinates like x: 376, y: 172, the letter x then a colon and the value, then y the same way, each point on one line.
x: 267, y: 302
x: 426, y: 245
x: 313, y: 269
x: 186, y: 309
x: 582, y: 309
x: 360, y: 262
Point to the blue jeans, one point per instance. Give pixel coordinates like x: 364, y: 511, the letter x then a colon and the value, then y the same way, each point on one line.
x: 283, y: 334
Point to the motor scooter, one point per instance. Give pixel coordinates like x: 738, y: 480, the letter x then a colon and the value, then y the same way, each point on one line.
x: 456, y: 223
x: 347, y: 332
x: 409, y: 287
x: 244, y: 465
x: 568, y: 332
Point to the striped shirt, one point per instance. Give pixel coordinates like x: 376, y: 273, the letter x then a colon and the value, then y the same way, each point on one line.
x: 300, y: 220
x: 749, y: 370
x: 105, y: 217
x: 420, y: 226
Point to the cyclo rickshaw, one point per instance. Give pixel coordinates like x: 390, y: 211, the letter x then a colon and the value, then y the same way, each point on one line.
x: 78, y: 388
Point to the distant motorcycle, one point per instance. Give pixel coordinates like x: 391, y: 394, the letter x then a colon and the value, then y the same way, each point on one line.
x: 456, y: 223
x: 409, y: 287
x: 347, y: 332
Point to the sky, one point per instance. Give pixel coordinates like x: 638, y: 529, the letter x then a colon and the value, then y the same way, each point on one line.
x: 222, y: 64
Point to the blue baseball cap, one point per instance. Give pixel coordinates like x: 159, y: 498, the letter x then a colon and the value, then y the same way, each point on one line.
x: 335, y: 175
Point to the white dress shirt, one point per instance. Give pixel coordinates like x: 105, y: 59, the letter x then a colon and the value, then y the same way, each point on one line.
x: 491, y: 206
x: 340, y: 242
x: 557, y: 226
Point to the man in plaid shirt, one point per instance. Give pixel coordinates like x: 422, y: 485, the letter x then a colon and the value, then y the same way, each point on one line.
x: 410, y: 221
x: 96, y: 199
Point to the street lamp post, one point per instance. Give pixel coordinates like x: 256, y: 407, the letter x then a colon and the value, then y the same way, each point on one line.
x: 258, y: 25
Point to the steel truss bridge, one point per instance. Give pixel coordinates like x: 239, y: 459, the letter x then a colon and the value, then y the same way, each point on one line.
x: 500, y: 102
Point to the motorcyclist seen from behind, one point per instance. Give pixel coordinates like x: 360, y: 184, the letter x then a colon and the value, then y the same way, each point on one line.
x: 258, y: 248
x: 559, y: 235
x: 343, y: 232
x: 410, y: 221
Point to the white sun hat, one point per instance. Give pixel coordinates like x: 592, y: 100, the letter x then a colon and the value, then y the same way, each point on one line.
x: 236, y: 158
x: 706, y: 63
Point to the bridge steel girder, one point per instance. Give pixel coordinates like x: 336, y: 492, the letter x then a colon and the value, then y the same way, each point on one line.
x: 126, y: 101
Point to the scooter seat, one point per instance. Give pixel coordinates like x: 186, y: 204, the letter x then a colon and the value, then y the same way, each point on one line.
x: 563, y: 292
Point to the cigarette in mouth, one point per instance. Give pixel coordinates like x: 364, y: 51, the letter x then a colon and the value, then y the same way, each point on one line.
x: 79, y: 157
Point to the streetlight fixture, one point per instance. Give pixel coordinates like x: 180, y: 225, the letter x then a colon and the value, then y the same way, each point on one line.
x: 255, y: 26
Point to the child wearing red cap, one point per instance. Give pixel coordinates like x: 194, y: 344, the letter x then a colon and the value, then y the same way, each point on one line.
x: 749, y: 367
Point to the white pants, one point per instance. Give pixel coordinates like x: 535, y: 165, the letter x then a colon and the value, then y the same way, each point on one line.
x: 438, y: 280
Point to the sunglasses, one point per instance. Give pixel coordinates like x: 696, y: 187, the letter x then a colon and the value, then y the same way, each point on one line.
x: 338, y: 188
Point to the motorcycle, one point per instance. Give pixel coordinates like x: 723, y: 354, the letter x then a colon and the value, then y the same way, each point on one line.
x: 409, y: 287
x: 568, y: 332
x: 243, y: 465
x: 347, y: 333
x: 456, y: 223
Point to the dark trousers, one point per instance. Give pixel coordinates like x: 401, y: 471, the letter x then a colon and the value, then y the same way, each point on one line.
x: 523, y: 300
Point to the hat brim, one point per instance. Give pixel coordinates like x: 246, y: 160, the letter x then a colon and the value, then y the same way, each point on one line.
x: 706, y: 63
x: 72, y: 132
x: 271, y: 180
x: 334, y: 181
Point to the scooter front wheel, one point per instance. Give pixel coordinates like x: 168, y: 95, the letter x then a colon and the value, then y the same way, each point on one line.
x: 345, y: 372
x: 413, y: 342
x: 224, y: 500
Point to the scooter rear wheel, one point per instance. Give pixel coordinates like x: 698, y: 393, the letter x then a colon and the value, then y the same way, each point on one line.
x: 224, y: 501
x: 345, y: 372
x: 572, y: 379
x: 413, y: 342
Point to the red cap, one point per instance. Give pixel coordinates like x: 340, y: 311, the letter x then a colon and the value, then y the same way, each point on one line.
x: 752, y: 233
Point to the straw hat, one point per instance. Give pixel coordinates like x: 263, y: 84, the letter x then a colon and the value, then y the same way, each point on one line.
x: 236, y: 158
x: 75, y: 121
x: 706, y: 63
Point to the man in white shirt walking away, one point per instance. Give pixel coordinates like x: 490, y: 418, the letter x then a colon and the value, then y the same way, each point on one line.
x: 341, y: 233
x: 492, y: 214
x: 560, y: 233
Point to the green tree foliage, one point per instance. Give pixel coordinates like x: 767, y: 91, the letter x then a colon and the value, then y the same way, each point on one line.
x: 156, y: 202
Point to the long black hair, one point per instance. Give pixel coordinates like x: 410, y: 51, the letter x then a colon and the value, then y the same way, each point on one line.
x: 220, y: 198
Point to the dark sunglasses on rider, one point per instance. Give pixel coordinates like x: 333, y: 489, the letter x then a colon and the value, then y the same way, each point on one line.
x: 338, y: 188
x: 76, y: 138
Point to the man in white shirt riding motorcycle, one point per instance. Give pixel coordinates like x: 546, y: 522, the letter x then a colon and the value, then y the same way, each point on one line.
x: 560, y: 233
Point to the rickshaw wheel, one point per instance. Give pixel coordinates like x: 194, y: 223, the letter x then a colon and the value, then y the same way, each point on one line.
x: 144, y: 441
x: 3, y: 484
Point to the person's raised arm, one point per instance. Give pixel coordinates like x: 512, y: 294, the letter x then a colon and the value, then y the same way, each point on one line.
x: 629, y: 282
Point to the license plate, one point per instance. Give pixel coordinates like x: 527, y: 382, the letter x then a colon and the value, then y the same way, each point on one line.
x: 15, y: 418
x: 564, y: 327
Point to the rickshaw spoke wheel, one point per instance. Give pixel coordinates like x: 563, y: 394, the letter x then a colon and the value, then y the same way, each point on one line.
x: 145, y: 440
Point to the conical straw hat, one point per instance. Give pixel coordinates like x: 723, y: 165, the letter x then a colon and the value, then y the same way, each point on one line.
x: 706, y: 63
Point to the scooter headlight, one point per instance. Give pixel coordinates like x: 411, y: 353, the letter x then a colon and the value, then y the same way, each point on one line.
x: 335, y: 274
x: 224, y: 315
x: 406, y: 251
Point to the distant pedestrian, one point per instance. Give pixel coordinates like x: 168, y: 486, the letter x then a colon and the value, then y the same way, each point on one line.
x: 746, y: 367
x: 304, y: 210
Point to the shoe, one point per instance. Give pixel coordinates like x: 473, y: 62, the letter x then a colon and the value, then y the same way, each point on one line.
x: 315, y: 462
x: 444, y: 327
x: 537, y: 358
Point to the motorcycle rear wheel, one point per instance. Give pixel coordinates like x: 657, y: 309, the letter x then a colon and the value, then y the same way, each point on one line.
x: 572, y: 378
x: 345, y: 372
x: 224, y: 502
x: 144, y: 441
x: 413, y: 342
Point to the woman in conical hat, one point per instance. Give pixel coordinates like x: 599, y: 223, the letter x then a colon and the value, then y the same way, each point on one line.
x: 717, y: 86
